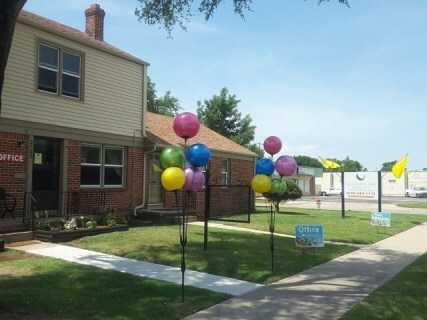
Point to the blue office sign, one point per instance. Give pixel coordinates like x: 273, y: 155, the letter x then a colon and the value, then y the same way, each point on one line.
x: 309, y: 235
x: 381, y: 219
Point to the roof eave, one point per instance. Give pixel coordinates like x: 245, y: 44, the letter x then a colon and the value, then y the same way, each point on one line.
x: 79, y: 40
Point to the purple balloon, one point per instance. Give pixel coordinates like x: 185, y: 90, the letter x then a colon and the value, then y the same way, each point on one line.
x: 194, y: 179
x: 286, y: 166
x: 272, y: 145
x: 186, y: 125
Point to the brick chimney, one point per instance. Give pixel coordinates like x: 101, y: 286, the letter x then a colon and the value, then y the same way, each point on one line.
x: 95, y: 22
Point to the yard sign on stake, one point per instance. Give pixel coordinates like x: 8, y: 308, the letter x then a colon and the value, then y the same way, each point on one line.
x: 310, y: 236
x: 381, y: 219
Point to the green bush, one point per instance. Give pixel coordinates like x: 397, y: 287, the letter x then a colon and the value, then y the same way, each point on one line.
x: 91, y: 224
x: 107, y: 218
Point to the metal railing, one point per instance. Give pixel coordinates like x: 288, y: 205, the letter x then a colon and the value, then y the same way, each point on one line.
x: 56, y: 205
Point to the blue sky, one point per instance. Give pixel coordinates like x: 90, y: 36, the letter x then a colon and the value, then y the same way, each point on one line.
x: 327, y: 80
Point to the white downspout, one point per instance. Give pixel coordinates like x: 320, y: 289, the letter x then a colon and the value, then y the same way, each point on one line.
x: 144, y: 134
x: 144, y: 185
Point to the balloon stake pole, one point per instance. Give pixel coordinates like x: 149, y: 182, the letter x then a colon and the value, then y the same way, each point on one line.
x: 183, y: 227
x: 272, y: 220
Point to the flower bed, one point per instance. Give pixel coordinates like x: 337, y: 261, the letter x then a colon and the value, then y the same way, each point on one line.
x: 68, y: 235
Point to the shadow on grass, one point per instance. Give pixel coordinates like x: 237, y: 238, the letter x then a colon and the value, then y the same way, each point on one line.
x: 61, y: 290
x: 293, y: 213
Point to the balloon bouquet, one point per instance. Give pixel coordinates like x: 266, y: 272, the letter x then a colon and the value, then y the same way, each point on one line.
x: 177, y: 176
x: 273, y: 188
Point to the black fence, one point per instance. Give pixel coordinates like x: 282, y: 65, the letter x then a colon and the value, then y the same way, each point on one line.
x: 228, y: 201
x: 50, y: 204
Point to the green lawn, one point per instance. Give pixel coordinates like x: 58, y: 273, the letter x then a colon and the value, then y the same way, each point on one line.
x: 355, y: 228
x: 43, y: 288
x: 418, y: 205
x: 239, y: 255
x: 404, y: 297
x: 37, y: 288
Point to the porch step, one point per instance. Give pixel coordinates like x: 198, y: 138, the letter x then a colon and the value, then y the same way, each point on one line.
x: 9, y: 225
x: 17, y: 236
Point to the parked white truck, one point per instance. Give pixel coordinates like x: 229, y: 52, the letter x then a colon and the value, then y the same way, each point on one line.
x: 416, y: 192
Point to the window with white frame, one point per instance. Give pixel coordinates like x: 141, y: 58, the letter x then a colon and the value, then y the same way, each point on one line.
x: 59, y: 71
x: 102, y: 166
x: 225, y: 171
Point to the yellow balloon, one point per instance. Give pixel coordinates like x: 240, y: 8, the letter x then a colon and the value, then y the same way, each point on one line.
x: 173, y: 178
x: 261, y: 183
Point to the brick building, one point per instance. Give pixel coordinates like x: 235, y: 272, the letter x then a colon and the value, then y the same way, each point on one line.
x: 74, y: 131
x: 230, y: 169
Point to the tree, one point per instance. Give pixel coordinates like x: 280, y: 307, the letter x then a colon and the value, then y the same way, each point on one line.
x: 293, y: 192
x: 220, y: 114
x: 9, y: 10
x: 170, y: 13
x: 254, y: 147
x: 306, y: 161
x: 166, y: 105
x: 349, y: 165
x: 388, y: 165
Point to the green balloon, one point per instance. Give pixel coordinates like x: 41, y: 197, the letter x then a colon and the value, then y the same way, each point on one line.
x: 172, y: 157
x: 278, y: 186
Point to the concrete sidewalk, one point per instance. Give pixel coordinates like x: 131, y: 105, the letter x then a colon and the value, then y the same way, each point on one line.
x: 139, y: 268
x: 327, y: 291
x: 324, y: 292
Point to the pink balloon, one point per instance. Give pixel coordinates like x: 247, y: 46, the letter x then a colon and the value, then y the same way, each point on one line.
x: 286, y: 166
x: 272, y: 145
x: 194, y: 179
x: 186, y: 125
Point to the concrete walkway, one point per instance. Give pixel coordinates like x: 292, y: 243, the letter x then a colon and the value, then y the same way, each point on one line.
x: 327, y: 291
x: 140, y: 268
x: 324, y: 292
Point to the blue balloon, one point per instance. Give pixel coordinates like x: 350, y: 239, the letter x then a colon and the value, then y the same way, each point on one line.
x: 264, y: 166
x: 198, y: 155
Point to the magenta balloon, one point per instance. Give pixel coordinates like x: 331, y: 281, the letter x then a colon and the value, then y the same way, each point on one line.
x: 286, y: 166
x: 186, y: 125
x: 272, y: 145
x: 194, y: 179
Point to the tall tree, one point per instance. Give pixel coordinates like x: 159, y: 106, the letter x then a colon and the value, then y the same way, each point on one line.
x: 254, y: 147
x: 388, y: 165
x: 167, y: 105
x: 166, y: 13
x: 220, y: 114
x: 170, y: 13
x: 306, y: 161
x: 349, y: 165
x: 9, y: 10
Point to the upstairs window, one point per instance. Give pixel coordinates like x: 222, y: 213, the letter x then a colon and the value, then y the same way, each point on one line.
x: 59, y: 71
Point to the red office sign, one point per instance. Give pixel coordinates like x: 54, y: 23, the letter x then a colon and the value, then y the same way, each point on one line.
x: 10, y: 157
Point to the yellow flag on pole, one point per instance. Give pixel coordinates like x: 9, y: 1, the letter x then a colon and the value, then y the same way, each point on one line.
x: 329, y: 164
x: 399, y: 167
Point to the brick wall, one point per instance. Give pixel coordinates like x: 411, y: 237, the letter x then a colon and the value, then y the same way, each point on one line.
x: 121, y: 200
x: 224, y: 200
x: 12, y: 174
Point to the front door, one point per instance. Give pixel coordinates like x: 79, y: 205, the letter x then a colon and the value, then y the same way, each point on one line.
x: 46, y: 170
x: 154, y: 185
